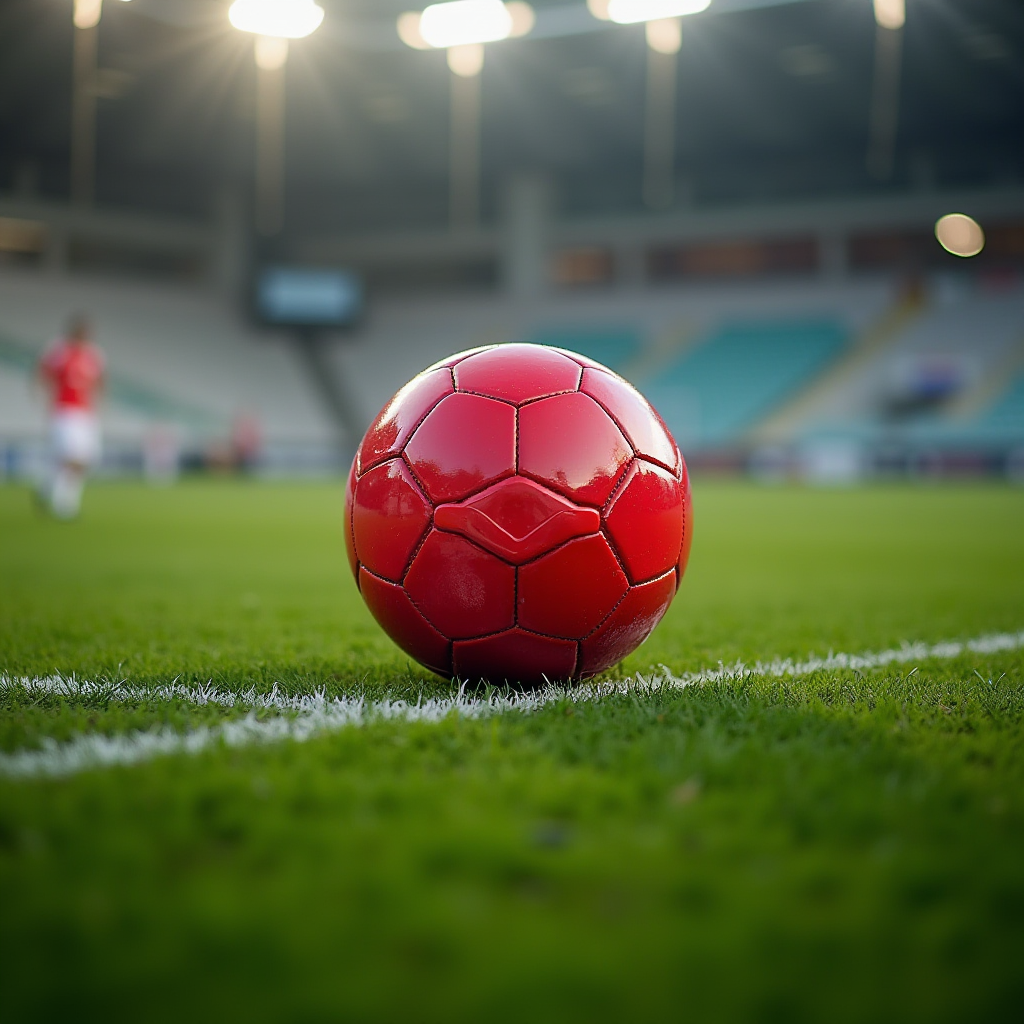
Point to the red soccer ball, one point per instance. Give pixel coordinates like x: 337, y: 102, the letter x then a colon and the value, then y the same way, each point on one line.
x: 517, y: 513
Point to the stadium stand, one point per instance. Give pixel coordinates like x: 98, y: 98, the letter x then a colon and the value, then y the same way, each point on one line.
x: 938, y: 378
x: 733, y: 367
x: 177, y: 356
x: 653, y: 334
x: 740, y: 374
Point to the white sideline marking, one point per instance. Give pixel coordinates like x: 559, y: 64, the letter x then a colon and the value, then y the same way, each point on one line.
x: 314, y: 714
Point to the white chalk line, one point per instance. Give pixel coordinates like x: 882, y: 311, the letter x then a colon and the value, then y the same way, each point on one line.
x: 303, y: 716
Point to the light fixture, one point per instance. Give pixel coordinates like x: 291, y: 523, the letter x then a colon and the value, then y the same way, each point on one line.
x: 465, y: 23
x: 959, y: 234
x: 665, y: 35
x: 629, y: 12
x: 283, y: 19
x: 890, y: 13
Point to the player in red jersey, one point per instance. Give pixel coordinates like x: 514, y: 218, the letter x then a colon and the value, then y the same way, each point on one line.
x: 72, y: 371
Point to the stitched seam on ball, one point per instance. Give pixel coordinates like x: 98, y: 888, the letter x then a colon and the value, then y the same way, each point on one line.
x: 653, y: 579
x: 558, y: 547
x: 615, y: 552
x: 468, y: 355
x: 422, y: 614
x: 682, y: 536
x: 616, y: 487
x: 419, y: 483
x: 521, y: 629
x: 401, y: 586
x: 417, y: 548
x: 389, y: 455
x: 490, y: 398
x: 543, y: 398
x: 479, y: 546
x: 420, y: 421
x: 516, y: 430
x: 554, y: 487
x: 629, y: 440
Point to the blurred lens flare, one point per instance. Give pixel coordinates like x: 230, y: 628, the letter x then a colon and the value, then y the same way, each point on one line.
x: 465, y: 21
x: 408, y: 25
x: 890, y: 13
x: 523, y: 18
x: 286, y: 19
x: 87, y: 13
x: 629, y: 12
x: 959, y: 234
x: 271, y: 52
x: 466, y: 60
x: 665, y: 35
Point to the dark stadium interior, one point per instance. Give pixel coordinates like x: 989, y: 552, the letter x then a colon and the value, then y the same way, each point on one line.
x: 773, y: 103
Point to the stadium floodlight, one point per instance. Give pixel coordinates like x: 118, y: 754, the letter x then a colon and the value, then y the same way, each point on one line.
x: 890, y: 13
x: 282, y: 19
x: 959, y: 234
x: 462, y: 27
x: 664, y: 32
x: 424, y: 30
x: 629, y: 12
x: 463, y: 22
x: 273, y: 23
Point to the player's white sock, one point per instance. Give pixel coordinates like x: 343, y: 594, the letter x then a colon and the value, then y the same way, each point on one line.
x: 66, y: 493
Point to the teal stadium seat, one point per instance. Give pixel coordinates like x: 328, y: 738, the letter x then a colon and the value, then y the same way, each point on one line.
x: 1005, y: 419
x: 724, y: 385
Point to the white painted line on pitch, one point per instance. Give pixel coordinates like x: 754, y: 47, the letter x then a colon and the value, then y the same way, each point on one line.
x: 992, y: 643
x: 315, y: 714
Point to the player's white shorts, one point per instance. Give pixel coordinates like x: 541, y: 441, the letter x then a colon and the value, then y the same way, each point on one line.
x: 75, y: 436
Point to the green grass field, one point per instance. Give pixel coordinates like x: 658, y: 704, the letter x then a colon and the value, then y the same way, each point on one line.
x: 842, y: 846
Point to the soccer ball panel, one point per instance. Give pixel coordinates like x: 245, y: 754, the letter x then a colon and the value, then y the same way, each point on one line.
x: 643, y: 426
x: 632, y: 622
x: 400, y: 417
x: 462, y: 590
x: 645, y: 521
x: 517, y: 373
x: 391, y: 607
x: 570, y: 444
x: 568, y: 592
x: 464, y: 444
x: 523, y: 657
x: 389, y: 516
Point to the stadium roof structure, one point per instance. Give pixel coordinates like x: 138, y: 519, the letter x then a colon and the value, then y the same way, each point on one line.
x: 772, y: 104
